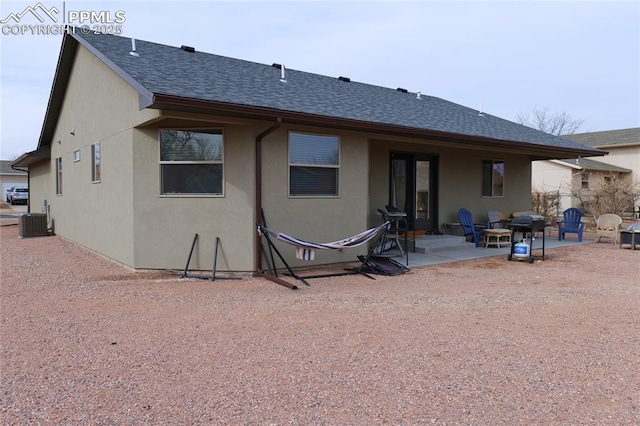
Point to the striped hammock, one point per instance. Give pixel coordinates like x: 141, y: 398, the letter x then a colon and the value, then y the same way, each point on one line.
x: 306, y: 250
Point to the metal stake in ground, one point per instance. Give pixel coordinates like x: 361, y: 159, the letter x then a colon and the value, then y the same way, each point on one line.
x: 215, y: 260
x: 186, y: 267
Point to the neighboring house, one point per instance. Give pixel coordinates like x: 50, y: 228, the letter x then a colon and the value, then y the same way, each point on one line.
x: 564, y: 175
x: 10, y: 178
x: 139, y: 151
x: 623, y: 147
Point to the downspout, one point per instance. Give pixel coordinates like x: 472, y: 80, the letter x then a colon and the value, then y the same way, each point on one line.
x: 258, y: 202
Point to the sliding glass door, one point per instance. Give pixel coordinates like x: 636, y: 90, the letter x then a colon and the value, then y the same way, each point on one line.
x: 413, y: 188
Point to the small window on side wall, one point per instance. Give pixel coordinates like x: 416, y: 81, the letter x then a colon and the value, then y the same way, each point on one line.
x: 59, y: 175
x: 492, y: 178
x: 76, y: 156
x: 95, y: 162
x: 314, y: 165
x: 191, y: 162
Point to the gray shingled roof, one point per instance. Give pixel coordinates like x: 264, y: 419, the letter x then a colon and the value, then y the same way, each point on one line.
x: 5, y: 168
x: 593, y: 165
x: 608, y: 138
x: 174, y: 72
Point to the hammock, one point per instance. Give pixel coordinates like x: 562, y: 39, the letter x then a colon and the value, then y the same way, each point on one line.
x: 306, y: 250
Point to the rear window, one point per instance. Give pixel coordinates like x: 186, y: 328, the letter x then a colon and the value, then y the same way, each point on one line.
x: 22, y: 190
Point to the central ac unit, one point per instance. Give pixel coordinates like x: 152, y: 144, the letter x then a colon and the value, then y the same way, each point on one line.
x: 32, y: 225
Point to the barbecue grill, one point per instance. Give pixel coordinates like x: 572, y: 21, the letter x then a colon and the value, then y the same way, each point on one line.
x: 527, y: 225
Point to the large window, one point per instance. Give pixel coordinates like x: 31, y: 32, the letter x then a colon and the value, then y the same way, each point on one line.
x: 492, y: 178
x: 59, y: 175
x: 191, y: 162
x: 95, y: 162
x: 314, y: 164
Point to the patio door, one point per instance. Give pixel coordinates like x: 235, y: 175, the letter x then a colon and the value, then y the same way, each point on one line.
x: 413, y: 188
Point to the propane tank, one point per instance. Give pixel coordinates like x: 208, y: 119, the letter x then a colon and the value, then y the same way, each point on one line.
x: 521, y: 250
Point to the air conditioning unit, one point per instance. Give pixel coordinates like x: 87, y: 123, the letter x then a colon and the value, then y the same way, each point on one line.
x: 32, y: 225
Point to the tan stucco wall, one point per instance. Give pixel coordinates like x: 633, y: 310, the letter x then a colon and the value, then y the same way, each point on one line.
x: 98, y: 107
x: 459, y: 179
x: 548, y: 176
x: 39, y: 188
x: 626, y: 156
x: 461, y: 185
x: 165, y: 225
x: 318, y: 219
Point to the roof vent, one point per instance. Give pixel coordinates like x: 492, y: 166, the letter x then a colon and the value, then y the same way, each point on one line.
x: 418, y: 95
x: 283, y: 77
x: 400, y: 89
x: 187, y: 48
x: 345, y: 79
x: 133, y: 52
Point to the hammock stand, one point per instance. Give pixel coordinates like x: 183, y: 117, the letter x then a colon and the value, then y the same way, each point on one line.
x: 187, y: 274
x: 304, y: 247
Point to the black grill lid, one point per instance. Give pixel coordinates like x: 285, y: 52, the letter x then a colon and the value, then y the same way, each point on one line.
x: 527, y: 219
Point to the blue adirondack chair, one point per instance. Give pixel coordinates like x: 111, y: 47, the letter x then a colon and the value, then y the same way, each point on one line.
x: 572, y: 223
x: 466, y: 221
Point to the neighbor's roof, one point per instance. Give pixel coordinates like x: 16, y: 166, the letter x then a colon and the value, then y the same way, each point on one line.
x: 169, y: 78
x: 592, y: 165
x: 608, y: 138
x: 5, y: 168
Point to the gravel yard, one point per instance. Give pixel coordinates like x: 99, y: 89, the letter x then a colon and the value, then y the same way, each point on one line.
x: 482, y: 342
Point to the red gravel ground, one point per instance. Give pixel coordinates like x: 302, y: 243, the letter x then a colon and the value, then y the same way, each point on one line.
x: 483, y: 342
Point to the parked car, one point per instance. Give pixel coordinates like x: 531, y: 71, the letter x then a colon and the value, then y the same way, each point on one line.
x: 9, y: 191
x: 18, y: 196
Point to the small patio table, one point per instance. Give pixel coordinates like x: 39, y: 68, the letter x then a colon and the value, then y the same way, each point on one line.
x: 496, y: 237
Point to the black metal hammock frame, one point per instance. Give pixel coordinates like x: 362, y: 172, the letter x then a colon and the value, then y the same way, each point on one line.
x: 212, y: 277
x: 305, y: 250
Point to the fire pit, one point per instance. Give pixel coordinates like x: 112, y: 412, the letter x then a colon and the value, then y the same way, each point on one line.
x: 527, y: 225
x: 631, y: 236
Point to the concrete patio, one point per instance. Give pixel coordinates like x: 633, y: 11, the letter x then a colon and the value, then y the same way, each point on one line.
x: 436, y: 249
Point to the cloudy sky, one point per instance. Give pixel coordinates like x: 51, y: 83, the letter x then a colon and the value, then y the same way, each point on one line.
x: 506, y: 57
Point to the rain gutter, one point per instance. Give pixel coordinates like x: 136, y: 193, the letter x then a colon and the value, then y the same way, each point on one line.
x: 169, y: 102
